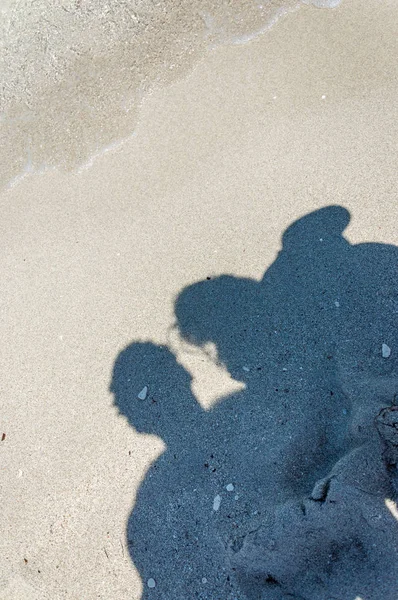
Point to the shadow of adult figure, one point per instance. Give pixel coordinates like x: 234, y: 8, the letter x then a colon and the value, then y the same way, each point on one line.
x: 171, y: 535
x: 307, y: 340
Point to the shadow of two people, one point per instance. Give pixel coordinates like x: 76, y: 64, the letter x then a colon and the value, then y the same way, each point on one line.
x: 303, y: 340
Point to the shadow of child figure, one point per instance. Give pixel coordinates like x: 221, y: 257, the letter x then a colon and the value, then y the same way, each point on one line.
x: 172, y: 535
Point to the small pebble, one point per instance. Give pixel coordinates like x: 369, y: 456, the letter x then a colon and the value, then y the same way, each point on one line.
x: 345, y: 411
x: 151, y: 583
x: 323, y: 97
x: 337, y: 303
x: 230, y: 487
x: 143, y: 394
x: 237, y: 497
x: 320, y: 490
x: 385, y: 351
x: 246, y: 369
x: 204, y: 580
x: 217, y: 502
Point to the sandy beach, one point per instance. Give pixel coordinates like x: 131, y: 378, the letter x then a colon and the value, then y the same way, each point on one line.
x: 240, y: 242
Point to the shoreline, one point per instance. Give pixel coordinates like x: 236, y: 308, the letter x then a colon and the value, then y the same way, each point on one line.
x: 73, y: 85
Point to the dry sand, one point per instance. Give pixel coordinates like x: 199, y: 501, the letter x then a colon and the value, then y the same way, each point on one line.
x: 221, y: 164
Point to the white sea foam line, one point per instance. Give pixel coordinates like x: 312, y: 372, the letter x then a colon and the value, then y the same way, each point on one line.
x: 244, y: 39
x: 110, y: 147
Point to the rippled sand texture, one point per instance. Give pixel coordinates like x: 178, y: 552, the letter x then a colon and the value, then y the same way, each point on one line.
x: 73, y: 73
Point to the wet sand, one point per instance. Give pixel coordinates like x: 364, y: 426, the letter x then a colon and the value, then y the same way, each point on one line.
x: 221, y: 164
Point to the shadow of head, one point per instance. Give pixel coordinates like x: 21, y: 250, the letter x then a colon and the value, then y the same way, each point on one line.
x: 222, y: 310
x: 151, y: 389
x: 326, y: 224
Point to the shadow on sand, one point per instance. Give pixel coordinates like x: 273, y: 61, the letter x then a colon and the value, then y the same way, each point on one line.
x: 311, y: 512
